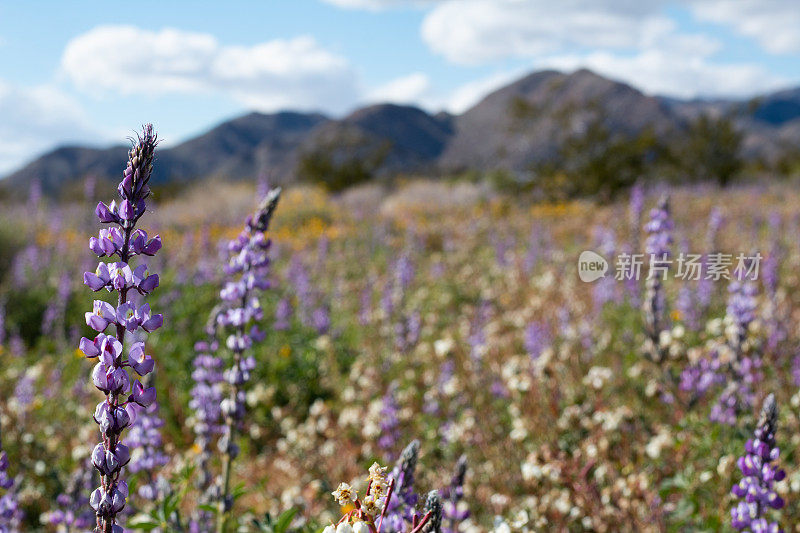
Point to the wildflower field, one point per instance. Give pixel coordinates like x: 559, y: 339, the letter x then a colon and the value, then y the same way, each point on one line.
x: 438, y: 329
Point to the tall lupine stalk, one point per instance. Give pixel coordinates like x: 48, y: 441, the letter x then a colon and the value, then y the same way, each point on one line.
x: 206, y: 398
x: 10, y: 513
x: 147, y: 454
x: 756, y: 489
x: 400, y: 509
x: 635, y: 209
x: 247, y: 269
x: 705, y: 285
x: 657, y: 249
x: 605, y: 288
x: 453, y: 512
x: 743, y: 368
x: 389, y: 424
x: 110, y: 376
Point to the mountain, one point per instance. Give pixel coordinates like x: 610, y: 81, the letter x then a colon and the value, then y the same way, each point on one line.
x: 240, y: 149
x: 399, y: 139
x: 523, y: 123
x: 67, y: 165
x: 528, y: 120
x: 237, y: 149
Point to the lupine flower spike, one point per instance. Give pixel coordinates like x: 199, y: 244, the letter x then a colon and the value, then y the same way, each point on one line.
x: 657, y: 250
x: 454, y: 511
x: 10, y: 513
x: 400, y: 510
x: 110, y: 374
x: 247, y: 269
x: 756, y: 489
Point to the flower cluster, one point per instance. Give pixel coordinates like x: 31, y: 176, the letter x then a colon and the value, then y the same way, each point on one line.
x: 110, y: 374
x: 247, y: 270
x: 370, y: 514
x: 454, y: 510
x: 205, y: 402
x: 657, y: 247
x: 147, y: 455
x: 756, y: 489
x: 400, y: 510
x: 10, y: 513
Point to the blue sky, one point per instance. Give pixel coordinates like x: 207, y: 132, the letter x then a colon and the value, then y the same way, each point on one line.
x: 90, y: 72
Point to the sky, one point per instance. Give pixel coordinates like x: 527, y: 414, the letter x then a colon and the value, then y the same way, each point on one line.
x: 90, y: 73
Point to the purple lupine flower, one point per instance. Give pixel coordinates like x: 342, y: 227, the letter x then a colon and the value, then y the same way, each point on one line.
x: 454, y: 511
x: 741, y: 308
x: 402, y: 505
x: 147, y: 455
x: 387, y: 298
x: 604, y: 290
x: 685, y: 305
x: 705, y: 285
x: 796, y: 370
x: 389, y: 424
x: 24, y: 392
x: 635, y: 210
x: 10, y: 513
x: 477, y: 336
x: 407, y: 330
x: 708, y: 372
x: 744, y: 370
x: 54, y: 316
x: 756, y: 489
x: 533, y: 252
x: 537, y: 339
x: 685, y: 302
x: 657, y: 249
x: 502, y: 245
x: 110, y: 375
x: 247, y: 271
x: 715, y: 221
x: 206, y: 398
x: 321, y: 320
x: 283, y: 313
x: 2, y: 322
x: 405, y: 271
x: 301, y: 283
x: 72, y: 512
x: 365, y: 310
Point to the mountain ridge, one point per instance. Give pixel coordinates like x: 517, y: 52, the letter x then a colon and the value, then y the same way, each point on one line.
x: 515, y: 126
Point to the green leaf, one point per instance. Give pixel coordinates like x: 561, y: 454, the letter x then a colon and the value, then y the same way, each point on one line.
x: 284, y: 520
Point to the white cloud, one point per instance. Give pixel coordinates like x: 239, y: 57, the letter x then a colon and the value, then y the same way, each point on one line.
x: 657, y: 72
x: 774, y: 24
x: 378, y: 5
x: 473, y: 92
x: 410, y: 89
x: 477, y: 31
x: 283, y: 73
x: 35, y: 119
x: 632, y: 40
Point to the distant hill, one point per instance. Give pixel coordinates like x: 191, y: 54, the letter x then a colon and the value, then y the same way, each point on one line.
x: 523, y: 123
x: 528, y: 120
x: 236, y: 149
x: 403, y: 139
